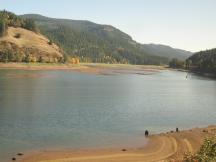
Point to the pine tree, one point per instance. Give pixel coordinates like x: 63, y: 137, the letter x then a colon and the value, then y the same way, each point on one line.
x: 3, y: 27
x: 30, y: 25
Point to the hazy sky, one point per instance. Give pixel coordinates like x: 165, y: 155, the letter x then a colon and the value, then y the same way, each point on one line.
x: 185, y: 24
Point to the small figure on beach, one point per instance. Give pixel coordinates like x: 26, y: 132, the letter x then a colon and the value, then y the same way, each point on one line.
x: 177, y: 130
x: 146, y: 133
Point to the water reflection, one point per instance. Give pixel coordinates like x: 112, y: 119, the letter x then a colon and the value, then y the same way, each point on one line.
x: 43, y: 109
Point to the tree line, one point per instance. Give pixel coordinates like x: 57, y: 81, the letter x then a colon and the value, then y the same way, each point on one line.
x: 93, y: 43
x: 19, y: 55
x: 202, y: 62
x: 177, y: 64
x: 10, y: 19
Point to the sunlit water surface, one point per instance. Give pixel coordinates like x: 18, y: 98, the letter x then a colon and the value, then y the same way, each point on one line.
x: 63, y: 109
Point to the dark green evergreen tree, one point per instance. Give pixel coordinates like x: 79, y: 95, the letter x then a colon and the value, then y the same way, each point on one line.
x: 3, y: 27
x: 30, y: 25
x: 203, y: 61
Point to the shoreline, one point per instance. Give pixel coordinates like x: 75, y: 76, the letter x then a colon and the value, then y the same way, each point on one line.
x: 160, y: 147
x: 92, y: 68
x: 202, y: 74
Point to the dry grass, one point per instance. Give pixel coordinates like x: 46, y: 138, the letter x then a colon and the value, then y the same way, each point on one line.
x: 30, y: 40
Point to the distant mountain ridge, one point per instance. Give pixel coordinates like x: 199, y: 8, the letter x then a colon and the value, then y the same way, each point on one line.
x: 93, y: 42
x: 166, y: 51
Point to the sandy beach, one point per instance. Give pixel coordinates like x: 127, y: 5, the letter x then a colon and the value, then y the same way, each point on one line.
x: 160, y: 147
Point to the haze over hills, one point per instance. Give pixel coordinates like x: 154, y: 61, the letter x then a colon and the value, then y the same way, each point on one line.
x: 93, y: 42
x: 166, y: 51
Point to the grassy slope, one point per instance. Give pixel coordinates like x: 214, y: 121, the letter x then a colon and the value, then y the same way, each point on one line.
x: 29, y: 40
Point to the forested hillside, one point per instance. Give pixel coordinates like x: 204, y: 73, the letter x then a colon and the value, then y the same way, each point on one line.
x: 203, y: 61
x: 83, y: 40
x: 166, y: 51
x: 10, y: 19
x: 97, y: 43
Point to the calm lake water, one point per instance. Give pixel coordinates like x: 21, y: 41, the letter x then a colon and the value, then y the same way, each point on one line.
x: 63, y: 109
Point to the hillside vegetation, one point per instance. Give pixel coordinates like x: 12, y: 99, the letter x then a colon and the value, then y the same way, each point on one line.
x: 20, y: 41
x: 166, y: 51
x: 207, y: 152
x: 21, y: 45
x: 102, y: 43
x: 10, y: 19
x: 203, y: 61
